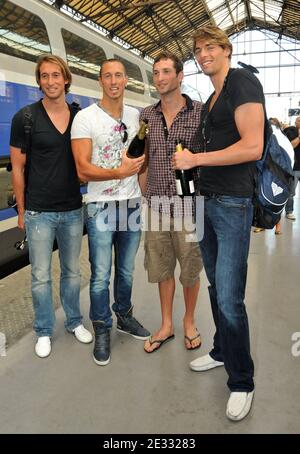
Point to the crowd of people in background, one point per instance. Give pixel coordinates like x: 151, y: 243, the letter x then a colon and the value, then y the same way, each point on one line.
x: 289, y: 138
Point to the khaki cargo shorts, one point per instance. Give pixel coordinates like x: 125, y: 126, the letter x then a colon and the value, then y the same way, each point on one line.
x: 162, y: 248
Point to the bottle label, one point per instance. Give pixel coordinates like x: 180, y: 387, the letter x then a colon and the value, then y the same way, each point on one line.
x: 192, y: 187
x: 178, y: 187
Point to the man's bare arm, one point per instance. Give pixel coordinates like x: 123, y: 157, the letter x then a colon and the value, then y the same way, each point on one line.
x: 295, y: 142
x: 82, y: 152
x: 249, y: 119
x: 18, y: 161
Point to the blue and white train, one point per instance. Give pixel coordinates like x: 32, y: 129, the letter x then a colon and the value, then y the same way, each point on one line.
x: 28, y: 29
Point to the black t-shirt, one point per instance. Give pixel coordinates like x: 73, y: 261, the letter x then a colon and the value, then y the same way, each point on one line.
x: 292, y: 132
x: 218, y: 131
x: 52, y: 182
x: 297, y: 158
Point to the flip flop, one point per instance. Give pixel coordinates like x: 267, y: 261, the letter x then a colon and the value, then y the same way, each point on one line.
x: 191, y: 339
x: 160, y: 342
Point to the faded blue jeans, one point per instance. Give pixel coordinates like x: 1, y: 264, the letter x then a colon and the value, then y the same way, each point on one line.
x: 42, y: 228
x: 225, y: 248
x: 289, y: 207
x: 112, y: 225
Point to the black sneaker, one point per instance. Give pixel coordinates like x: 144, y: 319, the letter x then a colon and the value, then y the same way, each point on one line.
x: 127, y: 324
x: 101, y: 353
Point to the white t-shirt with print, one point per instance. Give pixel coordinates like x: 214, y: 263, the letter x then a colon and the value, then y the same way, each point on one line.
x: 106, y: 135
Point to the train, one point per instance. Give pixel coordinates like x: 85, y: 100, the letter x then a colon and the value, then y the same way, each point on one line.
x: 28, y: 29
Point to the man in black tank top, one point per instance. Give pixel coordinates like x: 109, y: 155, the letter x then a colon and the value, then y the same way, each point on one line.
x: 49, y: 200
x: 230, y: 140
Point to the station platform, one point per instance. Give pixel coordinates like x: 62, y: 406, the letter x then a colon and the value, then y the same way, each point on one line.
x: 139, y: 393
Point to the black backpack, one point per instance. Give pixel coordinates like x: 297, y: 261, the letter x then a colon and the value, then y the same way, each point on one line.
x: 273, y: 184
x: 273, y: 178
x: 28, y: 121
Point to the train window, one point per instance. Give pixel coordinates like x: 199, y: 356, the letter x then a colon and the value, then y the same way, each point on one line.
x: 135, y: 79
x: 22, y: 34
x: 153, y: 92
x: 83, y: 57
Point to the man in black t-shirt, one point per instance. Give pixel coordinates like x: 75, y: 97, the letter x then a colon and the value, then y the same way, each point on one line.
x: 231, y: 138
x: 293, y: 134
x: 48, y: 198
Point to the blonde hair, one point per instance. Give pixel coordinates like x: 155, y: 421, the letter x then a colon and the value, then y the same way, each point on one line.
x: 213, y: 34
x: 49, y: 58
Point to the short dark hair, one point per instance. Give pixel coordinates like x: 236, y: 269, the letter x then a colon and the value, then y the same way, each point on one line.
x: 49, y: 58
x: 165, y: 55
x: 112, y: 60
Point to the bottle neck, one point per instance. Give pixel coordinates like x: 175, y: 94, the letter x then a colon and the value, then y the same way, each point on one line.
x: 142, y: 131
x: 179, y: 147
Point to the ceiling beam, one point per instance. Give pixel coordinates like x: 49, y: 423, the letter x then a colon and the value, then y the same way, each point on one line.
x: 170, y: 34
x: 229, y: 11
x: 208, y: 12
x: 184, y: 14
x: 165, y: 24
x: 128, y: 22
x: 132, y: 6
x: 248, y: 12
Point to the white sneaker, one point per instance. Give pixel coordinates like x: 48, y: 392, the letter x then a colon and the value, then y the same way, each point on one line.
x: 82, y: 334
x: 291, y: 217
x: 204, y: 363
x: 43, y: 346
x: 239, y: 405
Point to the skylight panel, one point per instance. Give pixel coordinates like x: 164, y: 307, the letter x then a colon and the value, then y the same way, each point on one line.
x: 223, y: 19
x: 213, y: 4
x: 264, y: 11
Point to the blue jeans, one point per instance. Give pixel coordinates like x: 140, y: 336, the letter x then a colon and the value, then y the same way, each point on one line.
x: 42, y: 228
x: 225, y: 247
x: 289, y: 207
x: 112, y: 225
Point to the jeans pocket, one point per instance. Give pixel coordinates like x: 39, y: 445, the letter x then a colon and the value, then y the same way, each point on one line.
x: 91, y: 210
x: 234, y: 202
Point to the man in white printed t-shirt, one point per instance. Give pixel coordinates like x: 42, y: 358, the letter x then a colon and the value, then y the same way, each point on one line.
x: 100, y: 136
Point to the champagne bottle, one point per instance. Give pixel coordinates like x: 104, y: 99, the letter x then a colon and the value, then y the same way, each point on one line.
x: 137, y: 145
x: 184, y: 178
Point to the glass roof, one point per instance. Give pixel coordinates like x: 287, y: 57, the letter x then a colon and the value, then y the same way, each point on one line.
x: 224, y: 13
x: 149, y: 26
